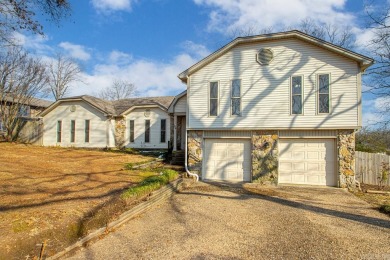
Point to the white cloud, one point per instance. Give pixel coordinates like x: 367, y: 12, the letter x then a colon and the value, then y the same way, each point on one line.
x: 36, y: 43
x: 198, y: 50
x: 112, y: 5
x: 75, y: 51
x: 151, y: 77
x: 119, y: 57
x: 228, y: 15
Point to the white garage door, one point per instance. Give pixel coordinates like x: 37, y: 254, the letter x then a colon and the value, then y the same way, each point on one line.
x: 227, y: 159
x: 307, y: 161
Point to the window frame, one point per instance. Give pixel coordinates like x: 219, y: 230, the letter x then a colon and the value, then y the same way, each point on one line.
x: 232, y: 98
x: 59, y: 131
x: 163, y: 132
x: 209, y: 99
x: 24, y: 111
x: 131, y: 130
x: 147, y: 131
x: 87, y: 130
x: 301, y: 94
x: 318, y: 94
x: 72, y: 131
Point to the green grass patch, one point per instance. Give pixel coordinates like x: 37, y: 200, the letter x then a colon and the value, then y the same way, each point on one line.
x: 385, y: 208
x: 130, y: 166
x: 151, y: 183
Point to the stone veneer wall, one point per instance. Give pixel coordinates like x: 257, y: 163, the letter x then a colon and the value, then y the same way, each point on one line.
x: 265, y: 157
x: 346, y: 158
x: 120, y: 129
x: 195, y: 152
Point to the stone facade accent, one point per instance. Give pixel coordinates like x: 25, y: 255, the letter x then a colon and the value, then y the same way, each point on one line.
x: 346, y: 158
x: 265, y: 157
x: 120, y: 129
x: 195, y: 151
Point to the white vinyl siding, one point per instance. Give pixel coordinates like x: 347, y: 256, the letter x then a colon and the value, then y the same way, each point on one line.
x: 265, y: 89
x: 138, y: 115
x: 99, y: 125
x: 181, y: 105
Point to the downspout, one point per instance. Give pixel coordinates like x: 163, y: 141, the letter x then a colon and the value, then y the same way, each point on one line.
x: 186, y: 142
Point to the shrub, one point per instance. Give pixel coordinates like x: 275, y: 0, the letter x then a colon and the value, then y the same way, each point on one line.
x: 151, y: 183
x: 385, y: 208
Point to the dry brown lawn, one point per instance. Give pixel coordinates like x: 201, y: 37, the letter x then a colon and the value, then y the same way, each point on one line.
x: 47, y: 193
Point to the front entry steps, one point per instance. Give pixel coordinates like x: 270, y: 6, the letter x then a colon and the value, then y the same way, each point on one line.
x: 178, y: 158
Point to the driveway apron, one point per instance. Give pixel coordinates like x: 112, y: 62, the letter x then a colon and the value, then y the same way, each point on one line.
x: 209, y: 221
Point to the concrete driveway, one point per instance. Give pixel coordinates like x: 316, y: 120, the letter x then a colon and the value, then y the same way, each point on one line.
x: 208, y: 221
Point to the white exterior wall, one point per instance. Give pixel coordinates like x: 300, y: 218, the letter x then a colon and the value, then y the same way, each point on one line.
x: 98, y: 125
x: 181, y: 105
x: 138, y: 115
x: 265, y: 90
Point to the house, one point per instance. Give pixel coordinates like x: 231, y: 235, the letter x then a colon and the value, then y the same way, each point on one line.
x: 26, y: 110
x: 86, y: 121
x: 275, y: 108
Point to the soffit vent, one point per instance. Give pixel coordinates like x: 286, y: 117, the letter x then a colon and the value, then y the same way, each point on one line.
x: 265, y: 56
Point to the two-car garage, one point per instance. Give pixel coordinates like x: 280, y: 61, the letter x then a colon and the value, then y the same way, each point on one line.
x: 309, y: 161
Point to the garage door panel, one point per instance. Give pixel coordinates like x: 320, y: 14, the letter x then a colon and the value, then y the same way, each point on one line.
x: 227, y: 159
x: 309, y: 161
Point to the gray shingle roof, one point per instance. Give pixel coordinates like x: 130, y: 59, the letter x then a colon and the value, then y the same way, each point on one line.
x: 124, y: 104
x: 35, y: 102
x: 117, y: 107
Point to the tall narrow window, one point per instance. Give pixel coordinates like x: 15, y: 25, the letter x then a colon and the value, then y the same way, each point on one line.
x: 72, y: 131
x: 131, y: 131
x: 213, y: 99
x: 163, y: 132
x: 59, y: 130
x: 147, y: 131
x: 323, y: 93
x: 87, y: 125
x: 296, y: 95
x: 236, y: 97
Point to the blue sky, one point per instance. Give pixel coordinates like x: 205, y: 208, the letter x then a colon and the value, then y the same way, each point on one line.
x: 149, y: 42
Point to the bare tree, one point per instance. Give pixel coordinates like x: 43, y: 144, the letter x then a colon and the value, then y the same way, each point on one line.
x: 378, y: 76
x: 338, y: 35
x: 20, y: 15
x: 120, y: 89
x: 61, y: 73
x: 21, y: 79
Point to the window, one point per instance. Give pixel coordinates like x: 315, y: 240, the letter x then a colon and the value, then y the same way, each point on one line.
x: 163, y: 133
x: 132, y: 131
x: 72, y: 131
x: 87, y: 124
x: 236, y: 97
x: 147, y: 131
x: 296, y: 95
x: 24, y: 111
x: 213, y: 99
x: 59, y: 130
x: 323, y: 93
